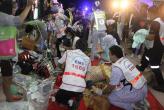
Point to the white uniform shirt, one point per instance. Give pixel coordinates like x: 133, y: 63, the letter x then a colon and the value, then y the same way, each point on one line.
x: 77, y: 64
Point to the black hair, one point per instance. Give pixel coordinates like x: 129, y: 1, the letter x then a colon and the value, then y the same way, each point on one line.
x: 82, y: 45
x: 66, y: 42
x: 29, y: 28
x: 155, y: 26
x: 69, y: 30
x: 117, y: 51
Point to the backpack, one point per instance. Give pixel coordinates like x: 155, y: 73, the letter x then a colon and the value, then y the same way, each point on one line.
x: 8, y: 46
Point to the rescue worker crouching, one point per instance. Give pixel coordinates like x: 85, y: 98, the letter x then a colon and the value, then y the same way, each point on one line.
x: 154, y: 44
x: 77, y: 63
x: 128, y: 85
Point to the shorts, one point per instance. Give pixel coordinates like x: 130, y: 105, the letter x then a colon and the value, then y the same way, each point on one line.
x: 64, y: 96
x: 6, y: 67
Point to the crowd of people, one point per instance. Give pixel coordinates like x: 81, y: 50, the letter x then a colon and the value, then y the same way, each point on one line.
x: 77, y: 39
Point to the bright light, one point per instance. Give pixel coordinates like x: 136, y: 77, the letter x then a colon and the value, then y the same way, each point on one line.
x: 124, y: 4
x: 86, y: 8
x: 120, y: 4
x: 116, y: 4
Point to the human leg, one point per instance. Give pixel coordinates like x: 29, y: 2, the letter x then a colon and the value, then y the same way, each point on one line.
x: 126, y: 99
x: 94, y: 44
x: 6, y: 68
x: 155, y: 67
x: 64, y: 96
x: 119, y: 103
x: 144, y: 62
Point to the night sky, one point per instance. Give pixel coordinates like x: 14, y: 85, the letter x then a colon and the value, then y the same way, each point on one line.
x: 76, y: 2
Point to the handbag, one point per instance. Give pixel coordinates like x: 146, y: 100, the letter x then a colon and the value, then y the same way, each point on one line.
x: 8, y: 45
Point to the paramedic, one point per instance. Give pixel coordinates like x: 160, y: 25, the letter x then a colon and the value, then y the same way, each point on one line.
x: 77, y: 63
x: 98, y: 28
x: 154, y: 52
x: 128, y: 85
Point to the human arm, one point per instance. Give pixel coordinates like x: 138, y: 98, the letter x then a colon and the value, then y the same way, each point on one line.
x: 62, y: 60
x: 25, y: 12
x: 115, y: 78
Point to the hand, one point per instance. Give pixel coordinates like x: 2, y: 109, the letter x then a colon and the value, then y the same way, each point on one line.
x: 30, y: 2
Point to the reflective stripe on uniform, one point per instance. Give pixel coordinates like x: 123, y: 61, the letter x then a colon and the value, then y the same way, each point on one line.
x: 136, y: 79
x: 154, y: 67
x: 100, y: 19
x: 147, y: 58
x: 74, y: 74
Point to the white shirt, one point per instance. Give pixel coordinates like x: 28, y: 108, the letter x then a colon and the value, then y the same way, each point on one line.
x: 77, y: 63
x: 109, y: 41
x: 74, y: 42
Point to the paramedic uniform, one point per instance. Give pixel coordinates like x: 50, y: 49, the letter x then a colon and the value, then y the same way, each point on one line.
x: 130, y: 84
x: 73, y: 82
x: 98, y: 30
x: 153, y: 55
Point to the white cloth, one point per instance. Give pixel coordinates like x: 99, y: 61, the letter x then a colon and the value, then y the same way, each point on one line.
x: 110, y: 22
x: 132, y: 75
x: 139, y: 37
x: 109, y: 41
x: 77, y: 64
x: 74, y: 42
